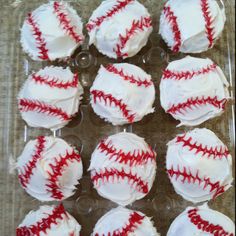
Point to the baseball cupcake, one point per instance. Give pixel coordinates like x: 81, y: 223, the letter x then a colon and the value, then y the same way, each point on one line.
x: 122, y: 93
x: 119, y: 28
x: 52, y: 31
x: 199, y: 165
x: 191, y: 26
x: 125, y: 222
x: 123, y: 168
x: 50, y: 221
x: 50, y: 98
x: 49, y: 169
x: 193, y: 90
x: 201, y: 221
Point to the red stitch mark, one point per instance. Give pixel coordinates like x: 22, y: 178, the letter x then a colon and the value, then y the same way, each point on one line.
x: 106, y: 175
x: 57, y: 170
x: 43, y: 51
x: 115, y: 9
x: 205, y: 225
x: 108, y: 98
x: 66, y: 23
x: 169, y: 14
x: 135, y: 219
x: 54, y: 82
x: 140, y: 25
x: 208, y: 21
x: 40, y: 107
x: 44, y: 224
x: 220, y: 151
x: 194, y: 102
x: 168, y: 74
x: 195, y: 178
x: 25, y: 175
x: 136, y: 157
x: 111, y: 68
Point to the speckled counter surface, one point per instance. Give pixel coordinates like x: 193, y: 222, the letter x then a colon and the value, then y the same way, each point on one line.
x: 163, y: 204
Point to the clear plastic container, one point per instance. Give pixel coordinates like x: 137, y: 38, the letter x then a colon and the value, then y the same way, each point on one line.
x: 162, y: 203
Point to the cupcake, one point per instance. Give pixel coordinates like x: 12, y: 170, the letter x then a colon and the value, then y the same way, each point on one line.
x: 191, y: 26
x: 49, y: 169
x: 122, y: 93
x: 199, y: 165
x: 123, y: 168
x: 52, y: 31
x: 50, y: 98
x: 193, y: 90
x: 50, y: 221
x: 201, y: 221
x: 125, y: 222
x: 119, y: 28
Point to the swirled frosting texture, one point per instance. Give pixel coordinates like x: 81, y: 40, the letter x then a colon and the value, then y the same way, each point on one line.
x: 193, y: 90
x: 49, y: 221
x: 119, y: 28
x: 199, y: 165
x: 122, y: 221
x: 49, y: 169
x: 50, y: 97
x: 182, y: 33
x: 123, y: 168
x: 201, y: 221
x: 52, y: 31
x: 122, y: 93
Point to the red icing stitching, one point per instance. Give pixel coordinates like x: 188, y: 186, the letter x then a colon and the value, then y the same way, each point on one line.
x: 54, y: 82
x: 193, y: 102
x: 66, y: 23
x: 175, y: 28
x: 24, y: 177
x: 190, y: 178
x: 134, y: 220
x: 43, y: 51
x: 115, y: 9
x: 219, y: 152
x: 44, y: 224
x: 111, y: 68
x: 208, y: 21
x: 205, y: 225
x: 168, y: 74
x: 57, y: 170
x: 108, y: 98
x: 145, y: 22
x: 40, y: 107
x: 106, y: 175
x: 137, y: 157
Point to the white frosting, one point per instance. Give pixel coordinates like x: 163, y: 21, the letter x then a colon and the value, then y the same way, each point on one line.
x: 106, y: 36
x: 201, y: 85
x: 138, y: 99
x: 194, y: 38
x: 67, y: 99
x: 117, y: 219
x: 52, y: 152
x: 58, y: 40
x: 183, y: 226
x: 187, y: 154
x: 123, y: 191
x: 66, y: 225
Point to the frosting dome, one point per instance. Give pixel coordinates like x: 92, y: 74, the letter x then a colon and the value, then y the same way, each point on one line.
x: 122, y: 93
x: 199, y: 165
x: 49, y: 169
x: 119, y: 28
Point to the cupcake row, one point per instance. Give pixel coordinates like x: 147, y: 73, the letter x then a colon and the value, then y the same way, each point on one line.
x: 192, y: 90
x: 121, y: 28
x: 55, y: 220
